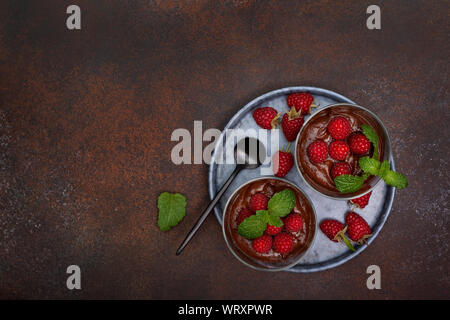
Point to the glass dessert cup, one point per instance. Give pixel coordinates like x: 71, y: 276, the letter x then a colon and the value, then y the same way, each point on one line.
x: 241, y: 247
x: 317, y: 176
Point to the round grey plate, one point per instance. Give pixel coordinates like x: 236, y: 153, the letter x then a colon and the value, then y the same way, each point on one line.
x: 323, y: 254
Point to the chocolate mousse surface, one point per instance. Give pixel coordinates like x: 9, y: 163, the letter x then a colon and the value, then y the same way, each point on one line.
x: 318, y: 174
x: 302, y: 238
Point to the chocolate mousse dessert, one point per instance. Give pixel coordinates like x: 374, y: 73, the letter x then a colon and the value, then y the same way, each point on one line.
x: 331, y: 143
x: 269, y: 223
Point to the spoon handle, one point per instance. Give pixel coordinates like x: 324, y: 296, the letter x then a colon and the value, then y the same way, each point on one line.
x: 208, y: 209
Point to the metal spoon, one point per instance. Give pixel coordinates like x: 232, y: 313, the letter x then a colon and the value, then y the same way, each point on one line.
x: 249, y: 153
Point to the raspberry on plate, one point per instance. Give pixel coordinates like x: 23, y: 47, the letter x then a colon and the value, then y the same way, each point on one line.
x: 357, y: 228
x: 262, y: 244
x: 258, y: 202
x: 291, y: 123
x: 340, y: 168
x: 302, y: 101
x: 333, y: 229
x: 282, y: 163
x: 363, y: 201
x: 359, y: 144
x: 338, y: 150
x: 266, y: 117
x: 283, y: 243
x: 317, y: 151
x: 339, y: 128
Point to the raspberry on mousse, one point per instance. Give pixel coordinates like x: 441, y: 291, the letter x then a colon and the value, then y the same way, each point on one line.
x: 283, y: 243
x: 340, y: 168
x: 339, y: 128
x: 258, y: 202
x: 317, y: 151
x: 262, y: 244
x: 359, y: 144
x: 338, y: 150
x: 293, y: 222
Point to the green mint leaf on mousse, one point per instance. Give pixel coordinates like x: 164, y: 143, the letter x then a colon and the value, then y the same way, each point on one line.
x: 275, y: 221
x: 254, y: 226
x: 282, y: 203
x: 369, y: 165
x: 347, y: 183
x: 263, y: 215
x: 171, y: 210
x: 373, y: 137
x: 268, y: 218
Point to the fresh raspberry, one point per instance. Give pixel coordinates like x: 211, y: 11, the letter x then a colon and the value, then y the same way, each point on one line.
x: 317, y: 151
x: 282, y: 163
x: 243, y: 214
x: 258, y: 202
x: 293, y: 222
x: 272, y: 230
x: 340, y: 168
x: 283, y: 243
x: 359, y: 144
x: 338, y: 150
x: 301, y: 101
x: 339, y: 128
x: 266, y: 117
x: 262, y: 244
x: 291, y: 123
x: 333, y: 229
x: 363, y: 201
x: 357, y: 228
x: 351, y: 217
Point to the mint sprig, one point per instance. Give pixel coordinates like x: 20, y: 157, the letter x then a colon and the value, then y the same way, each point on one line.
x: 347, y: 183
x: 280, y: 205
x: 171, y: 210
x: 392, y: 178
x: 371, y: 166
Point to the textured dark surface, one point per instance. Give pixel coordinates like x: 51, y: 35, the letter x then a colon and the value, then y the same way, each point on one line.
x: 86, y: 118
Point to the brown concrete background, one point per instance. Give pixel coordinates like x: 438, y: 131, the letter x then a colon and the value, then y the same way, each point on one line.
x: 86, y: 118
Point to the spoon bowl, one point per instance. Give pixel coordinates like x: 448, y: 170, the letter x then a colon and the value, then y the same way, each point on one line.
x: 249, y: 153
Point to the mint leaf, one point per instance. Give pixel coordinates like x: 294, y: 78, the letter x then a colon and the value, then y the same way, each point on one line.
x: 347, y: 183
x: 253, y: 226
x: 275, y: 221
x: 384, y: 168
x: 373, y: 137
x: 282, y: 203
x: 263, y: 214
x: 395, y: 179
x: 171, y: 210
x: 369, y: 165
